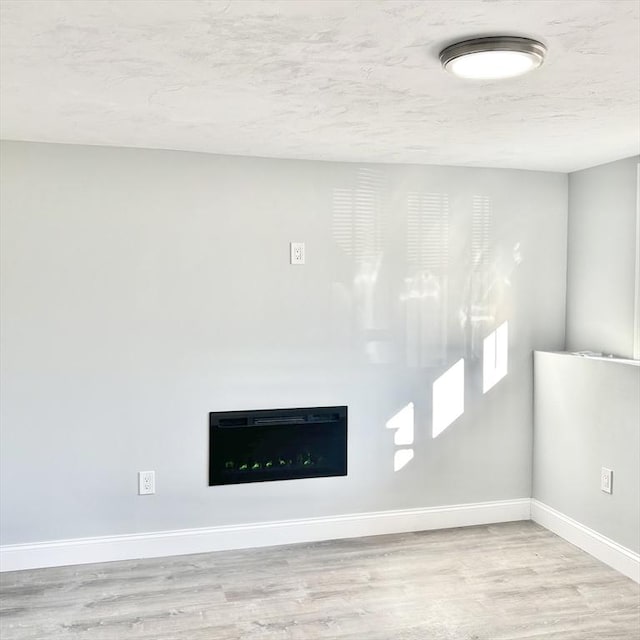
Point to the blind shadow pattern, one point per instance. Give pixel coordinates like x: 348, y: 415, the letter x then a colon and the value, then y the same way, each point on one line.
x: 479, y: 315
x: 426, y: 284
x: 359, y: 229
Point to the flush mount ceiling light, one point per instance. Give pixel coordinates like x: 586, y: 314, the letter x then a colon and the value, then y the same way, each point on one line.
x: 493, y: 58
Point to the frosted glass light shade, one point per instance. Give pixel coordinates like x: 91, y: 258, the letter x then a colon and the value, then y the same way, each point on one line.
x: 493, y: 58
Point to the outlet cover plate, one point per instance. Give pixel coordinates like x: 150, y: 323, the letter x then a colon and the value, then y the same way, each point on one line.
x: 146, y: 482
x: 296, y: 252
x: 606, y: 480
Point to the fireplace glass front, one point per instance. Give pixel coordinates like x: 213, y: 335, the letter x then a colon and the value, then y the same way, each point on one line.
x: 277, y: 444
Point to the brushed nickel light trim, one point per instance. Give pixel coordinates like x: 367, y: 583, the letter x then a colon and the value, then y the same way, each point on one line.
x: 493, y: 58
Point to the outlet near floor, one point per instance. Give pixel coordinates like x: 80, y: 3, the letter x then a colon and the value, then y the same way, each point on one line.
x: 296, y: 252
x: 606, y: 480
x: 146, y: 482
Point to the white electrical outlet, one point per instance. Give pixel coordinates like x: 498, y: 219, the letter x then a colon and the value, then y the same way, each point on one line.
x: 606, y: 480
x: 146, y: 482
x: 296, y: 252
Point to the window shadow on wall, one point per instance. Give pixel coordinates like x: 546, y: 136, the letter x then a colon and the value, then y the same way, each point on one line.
x: 359, y: 230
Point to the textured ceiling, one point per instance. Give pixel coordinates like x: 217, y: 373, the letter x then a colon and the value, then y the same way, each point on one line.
x: 332, y: 80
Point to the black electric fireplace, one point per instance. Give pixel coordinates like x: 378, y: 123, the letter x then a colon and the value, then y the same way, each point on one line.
x: 277, y: 444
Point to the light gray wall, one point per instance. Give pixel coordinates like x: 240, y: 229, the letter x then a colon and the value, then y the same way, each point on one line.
x: 601, y: 258
x: 587, y: 416
x: 143, y: 289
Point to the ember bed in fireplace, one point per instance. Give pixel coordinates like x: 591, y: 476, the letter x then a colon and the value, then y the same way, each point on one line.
x: 277, y: 444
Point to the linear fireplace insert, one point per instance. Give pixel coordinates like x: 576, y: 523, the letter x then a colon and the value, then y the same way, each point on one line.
x: 277, y: 444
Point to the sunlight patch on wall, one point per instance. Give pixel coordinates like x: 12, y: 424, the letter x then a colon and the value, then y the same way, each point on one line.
x: 495, y: 357
x: 448, y: 398
x: 402, y: 458
x: 403, y: 422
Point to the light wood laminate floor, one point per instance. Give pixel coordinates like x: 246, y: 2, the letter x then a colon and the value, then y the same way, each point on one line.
x: 505, y: 581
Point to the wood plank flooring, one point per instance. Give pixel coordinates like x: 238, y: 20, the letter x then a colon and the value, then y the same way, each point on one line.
x: 495, y: 582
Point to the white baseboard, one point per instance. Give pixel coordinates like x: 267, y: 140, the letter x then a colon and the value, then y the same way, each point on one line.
x: 184, y: 541
x: 604, y: 549
x: 263, y: 534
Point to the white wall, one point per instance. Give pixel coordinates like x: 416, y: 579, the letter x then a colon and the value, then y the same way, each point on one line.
x: 601, y: 258
x: 143, y: 289
x: 587, y: 416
